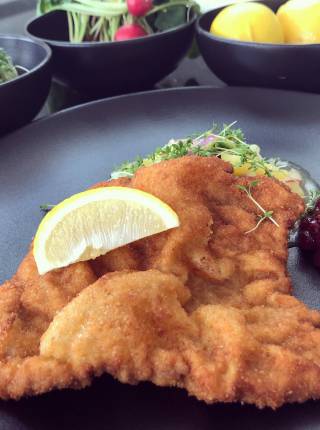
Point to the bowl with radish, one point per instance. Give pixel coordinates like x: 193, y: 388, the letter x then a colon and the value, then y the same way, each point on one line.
x: 108, y: 47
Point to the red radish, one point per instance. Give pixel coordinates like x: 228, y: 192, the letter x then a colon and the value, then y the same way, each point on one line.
x: 139, y: 7
x: 129, y: 31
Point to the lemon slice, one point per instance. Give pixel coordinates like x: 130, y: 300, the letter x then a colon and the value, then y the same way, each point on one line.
x: 94, y: 222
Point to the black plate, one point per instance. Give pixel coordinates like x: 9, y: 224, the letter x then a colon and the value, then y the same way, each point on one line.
x: 56, y: 157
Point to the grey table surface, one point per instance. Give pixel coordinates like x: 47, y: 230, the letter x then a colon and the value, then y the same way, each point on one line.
x: 14, y: 14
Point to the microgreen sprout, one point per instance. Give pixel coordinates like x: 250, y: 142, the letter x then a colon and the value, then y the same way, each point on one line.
x: 46, y: 208
x: 265, y: 214
x: 211, y: 143
x: 313, y: 196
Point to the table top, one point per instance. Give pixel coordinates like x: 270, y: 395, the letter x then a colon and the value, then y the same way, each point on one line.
x: 14, y: 14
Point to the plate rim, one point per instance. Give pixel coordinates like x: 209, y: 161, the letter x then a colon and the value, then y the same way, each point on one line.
x: 197, y: 88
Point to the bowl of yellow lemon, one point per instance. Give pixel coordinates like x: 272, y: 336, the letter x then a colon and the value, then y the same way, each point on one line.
x: 271, y: 43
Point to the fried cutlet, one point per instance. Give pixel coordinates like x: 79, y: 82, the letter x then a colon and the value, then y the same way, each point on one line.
x: 205, y: 307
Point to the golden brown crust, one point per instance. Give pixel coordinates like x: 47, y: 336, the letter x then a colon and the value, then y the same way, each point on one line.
x: 205, y: 307
x: 29, y: 302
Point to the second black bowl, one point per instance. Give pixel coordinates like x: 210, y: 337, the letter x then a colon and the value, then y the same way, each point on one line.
x: 22, y: 98
x: 107, y: 68
x: 295, y: 67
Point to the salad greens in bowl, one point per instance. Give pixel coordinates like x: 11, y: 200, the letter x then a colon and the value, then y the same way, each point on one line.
x: 7, y: 69
x: 114, y: 20
x: 108, y: 47
x: 25, y: 77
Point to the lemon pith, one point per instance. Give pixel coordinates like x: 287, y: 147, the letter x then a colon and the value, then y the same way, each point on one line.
x: 96, y: 221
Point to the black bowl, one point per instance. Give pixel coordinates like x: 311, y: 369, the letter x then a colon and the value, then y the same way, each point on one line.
x: 284, y: 66
x: 22, y: 98
x: 108, y: 68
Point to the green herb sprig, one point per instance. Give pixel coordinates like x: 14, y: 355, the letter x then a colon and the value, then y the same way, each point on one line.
x: 313, y: 197
x: 210, y: 143
x: 266, y: 215
x: 175, y: 149
x: 7, y: 69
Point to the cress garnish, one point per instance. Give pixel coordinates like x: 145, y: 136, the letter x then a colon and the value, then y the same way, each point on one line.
x: 229, y: 144
x: 265, y: 214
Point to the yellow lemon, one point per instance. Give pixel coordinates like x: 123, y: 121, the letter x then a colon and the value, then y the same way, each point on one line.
x: 300, y: 20
x: 96, y: 221
x: 249, y: 22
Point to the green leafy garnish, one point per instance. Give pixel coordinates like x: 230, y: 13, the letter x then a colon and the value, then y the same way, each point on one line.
x: 265, y: 214
x: 7, y: 69
x: 173, y: 150
x: 228, y: 141
x: 313, y: 196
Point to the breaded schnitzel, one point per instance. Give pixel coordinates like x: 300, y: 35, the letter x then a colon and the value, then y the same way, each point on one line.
x: 205, y: 307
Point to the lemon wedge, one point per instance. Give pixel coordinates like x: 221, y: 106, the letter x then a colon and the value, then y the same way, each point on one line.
x: 249, y: 22
x: 300, y: 20
x: 96, y: 221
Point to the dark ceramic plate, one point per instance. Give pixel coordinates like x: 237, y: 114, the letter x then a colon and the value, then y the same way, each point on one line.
x: 53, y: 158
